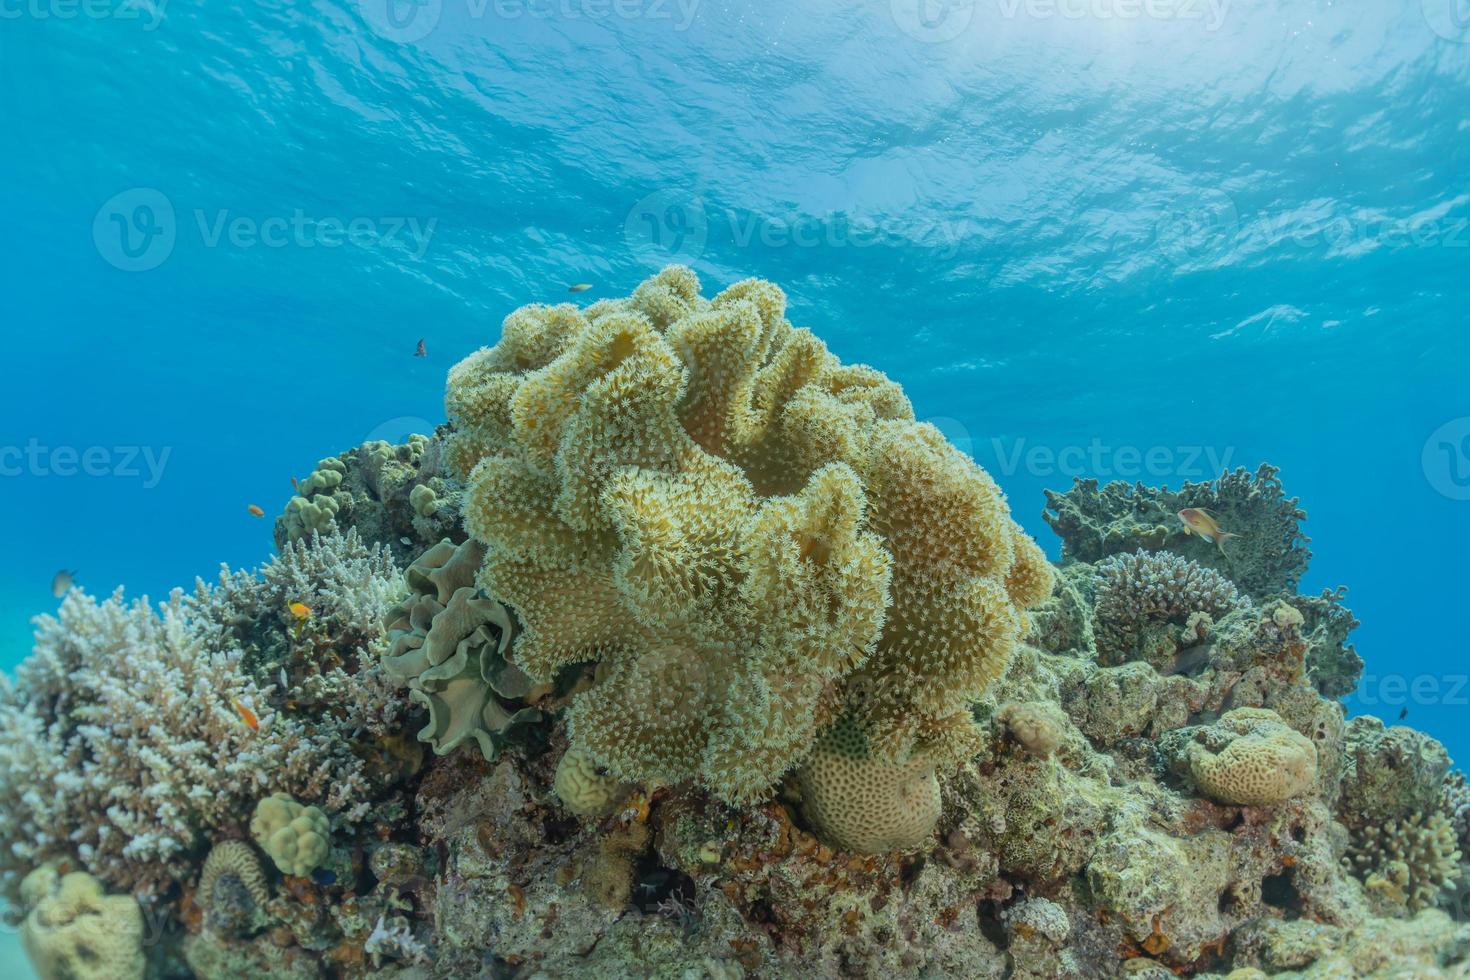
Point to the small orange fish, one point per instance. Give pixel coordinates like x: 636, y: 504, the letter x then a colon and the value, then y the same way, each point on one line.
x: 255, y: 510
x: 1199, y: 521
x: 302, y: 612
x: 246, y: 715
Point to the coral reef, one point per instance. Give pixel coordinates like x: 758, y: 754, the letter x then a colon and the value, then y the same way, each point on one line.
x: 449, y: 643
x: 730, y: 669
x: 749, y: 536
x: 123, y: 743
x: 73, y: 930
x: 1249, y: 757
x: 1144, y: 598
x: 399, y: 497
x: 1268, y: 556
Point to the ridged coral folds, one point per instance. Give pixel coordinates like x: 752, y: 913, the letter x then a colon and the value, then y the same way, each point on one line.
x: 749, y: 537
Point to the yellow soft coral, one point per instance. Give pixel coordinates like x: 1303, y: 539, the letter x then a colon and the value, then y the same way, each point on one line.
x: 750, y: 537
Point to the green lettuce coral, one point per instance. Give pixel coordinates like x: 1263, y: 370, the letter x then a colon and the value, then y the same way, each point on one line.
x: 751, y: 538
x: 449, y: 644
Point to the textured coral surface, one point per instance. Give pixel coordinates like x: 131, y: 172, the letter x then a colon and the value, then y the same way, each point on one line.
x: 750, y: 537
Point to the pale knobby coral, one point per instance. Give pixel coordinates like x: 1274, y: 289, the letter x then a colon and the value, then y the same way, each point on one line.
x: 748, y: 535
x: 1263, y: 760
x: 1038, y: 727
x: 449, y: 643
x: 1139, y: 592
x: 121, y: 745
x: 296, y: 837
x: 1410, y: 861
x: 73, y: 930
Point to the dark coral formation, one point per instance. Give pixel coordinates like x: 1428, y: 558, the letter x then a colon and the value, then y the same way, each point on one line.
x: 1268, y: 555
x: 400, y: 497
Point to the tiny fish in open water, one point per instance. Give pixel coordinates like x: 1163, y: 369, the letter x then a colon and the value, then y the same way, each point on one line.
x: 1199, y: 521
x: 255, y: 510
x: 61, y: 584
x: 421, y: 350
x: 579, y: 287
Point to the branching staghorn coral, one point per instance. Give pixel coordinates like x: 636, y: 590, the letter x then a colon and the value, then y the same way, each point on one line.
x: 121, y: 745
x: 1139, y: 591
x: 750, y: 537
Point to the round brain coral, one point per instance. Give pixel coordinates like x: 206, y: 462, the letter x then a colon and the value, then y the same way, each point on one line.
x: 1265, y: 761
x: 749, y: 537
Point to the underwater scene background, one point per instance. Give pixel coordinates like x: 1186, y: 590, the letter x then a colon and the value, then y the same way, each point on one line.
x: 1089, y: 240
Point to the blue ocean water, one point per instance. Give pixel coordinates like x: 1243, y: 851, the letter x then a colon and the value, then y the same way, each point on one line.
x: 1101, y: 238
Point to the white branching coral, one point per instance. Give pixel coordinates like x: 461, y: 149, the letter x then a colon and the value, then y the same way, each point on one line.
x: 122, y: 746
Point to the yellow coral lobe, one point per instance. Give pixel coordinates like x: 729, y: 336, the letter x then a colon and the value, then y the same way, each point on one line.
x: 749, y: 537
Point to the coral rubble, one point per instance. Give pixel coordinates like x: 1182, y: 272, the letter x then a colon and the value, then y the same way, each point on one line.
x: 729, y: 668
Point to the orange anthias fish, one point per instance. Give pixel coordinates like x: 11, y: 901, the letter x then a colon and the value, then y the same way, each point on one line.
x: 302, y: 612
x: 246, y: 715
x: 1199, y: 521
x: 255, y: 510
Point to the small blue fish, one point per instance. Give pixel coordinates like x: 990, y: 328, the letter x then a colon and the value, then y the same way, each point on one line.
x: 324, y: 877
